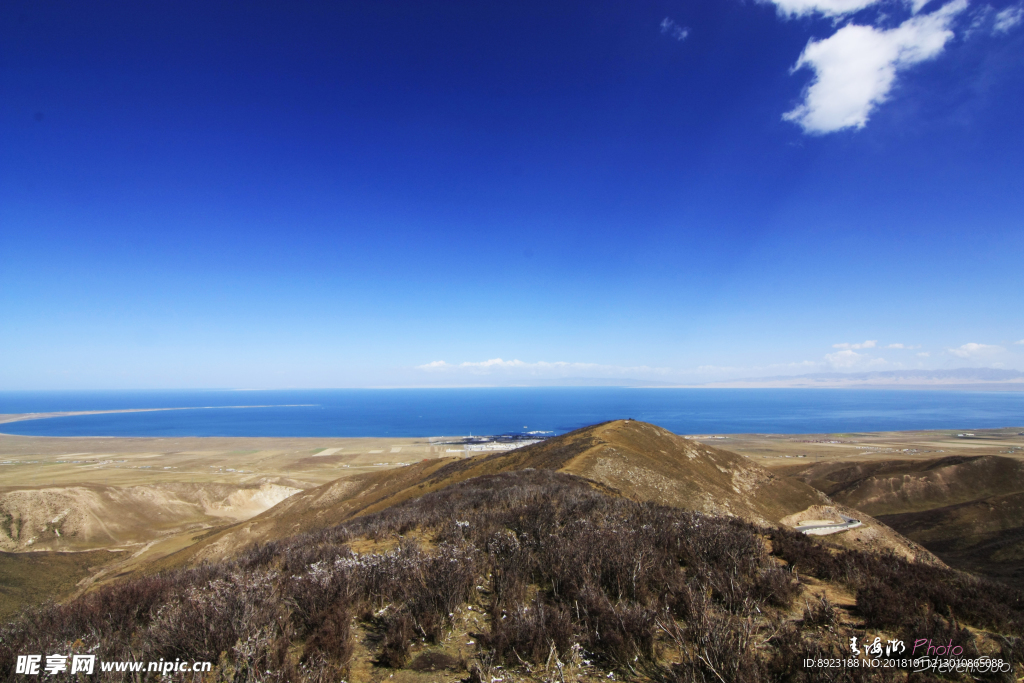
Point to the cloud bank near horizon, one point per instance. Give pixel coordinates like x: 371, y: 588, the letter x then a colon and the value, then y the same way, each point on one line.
x: 975, y: 350
x: 869, y: 344
x: 547, y: 369
x: 849, y: 357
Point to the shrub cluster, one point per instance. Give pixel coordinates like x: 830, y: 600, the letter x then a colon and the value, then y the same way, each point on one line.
x: 561, y: 570
x: 908, y: 597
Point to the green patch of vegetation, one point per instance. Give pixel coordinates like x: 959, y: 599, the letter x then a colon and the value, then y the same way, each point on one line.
x: 11, y: 524
x: 38, y: 577
x: 209, y: 532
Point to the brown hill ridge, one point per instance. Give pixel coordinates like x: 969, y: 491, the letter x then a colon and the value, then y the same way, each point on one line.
x: 892, y: 487
x: 632, y: 459
x: 645, y: 462
x: 967, y: 510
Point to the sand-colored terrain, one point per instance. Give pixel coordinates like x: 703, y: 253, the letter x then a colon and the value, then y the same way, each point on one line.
x: 958, y: 493
x: 81, y: 510
x: 786, y: 450
x: 90, y: 516
x: 127, y: 461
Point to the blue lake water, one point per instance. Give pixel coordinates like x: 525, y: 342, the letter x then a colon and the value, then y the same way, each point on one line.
x: 436, y: 412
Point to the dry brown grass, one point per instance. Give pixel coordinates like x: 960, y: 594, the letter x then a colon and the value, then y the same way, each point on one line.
x: 564, y: 582
x: 634, y: 459
x: 968, y: 510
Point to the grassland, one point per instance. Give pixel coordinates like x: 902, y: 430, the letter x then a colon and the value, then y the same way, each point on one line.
x: 34, y: 578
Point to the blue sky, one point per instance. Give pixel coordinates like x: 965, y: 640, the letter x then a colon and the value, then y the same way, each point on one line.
x: 198, y: 194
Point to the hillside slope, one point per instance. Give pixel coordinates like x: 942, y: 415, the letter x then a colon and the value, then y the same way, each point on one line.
x: 320, y: 507
x: 897, y: 486
x: 635, y: 460
x: 645, y: 462
x: 535, y: 576
x: 985, y: 536
x: 91, y: 516
x: 967, y: 510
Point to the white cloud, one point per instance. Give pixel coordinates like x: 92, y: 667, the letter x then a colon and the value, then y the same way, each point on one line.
x: 844, y: 359
x: 799, y: 364
x: 757, y: 369
x: 833, y: 8
x: 856, y: 67
x: 924, y: 354
x: 719, y: 369
x: 671, y: 28
x: 981, y: 15
x: 869, y: 344
x: 830, y: 8
x: 903, y: 346
x: 1008, y: 18
x: 539, y: 368
x: 848, y: 358
x: 499, y: 363
x: 1019, y: 342
x: 973, y: 350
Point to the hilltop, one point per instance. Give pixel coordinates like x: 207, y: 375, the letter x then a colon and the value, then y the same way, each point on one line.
x: 626, y: 458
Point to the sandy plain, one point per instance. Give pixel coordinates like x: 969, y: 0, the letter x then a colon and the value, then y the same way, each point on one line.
x: 785, y: 450
x: 77, y: 511
x: 124, y: 461
x: 131, y: 461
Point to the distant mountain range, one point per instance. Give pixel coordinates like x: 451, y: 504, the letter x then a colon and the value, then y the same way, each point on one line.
x: 959, y: 378
x: 990, y: 379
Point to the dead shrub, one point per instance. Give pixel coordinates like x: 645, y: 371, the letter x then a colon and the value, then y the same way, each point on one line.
x: 820, y: 612
x: 446, y: 581
x: 397, y: 634
x: 717, y: 647
x: 938, y: 631
x: 333, y: 638
x: 881, y: 607
x: 776, y: 586
x: 528, y: 632
x: 315, y: 594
